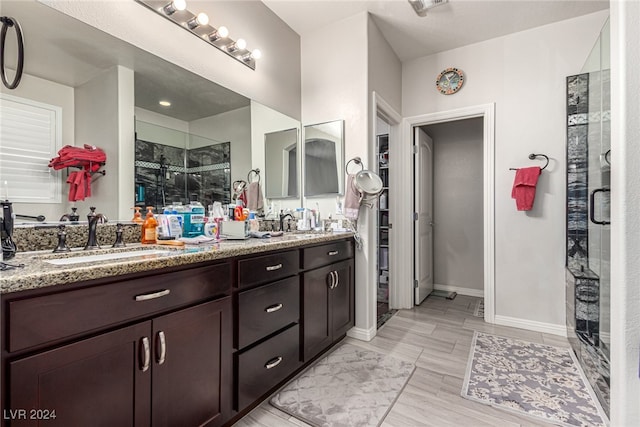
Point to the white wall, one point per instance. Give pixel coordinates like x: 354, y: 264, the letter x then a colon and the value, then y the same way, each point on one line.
x: 384, y: 68
x: 458, y: 242
x: 524, y: 74
x: 108, y: 124
x: 48, y: 92
x: 276, y: 80
x: 625, y: 205
x: 335, y: 87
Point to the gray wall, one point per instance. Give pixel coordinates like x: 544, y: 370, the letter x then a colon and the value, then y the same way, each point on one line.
x: 457, y: 203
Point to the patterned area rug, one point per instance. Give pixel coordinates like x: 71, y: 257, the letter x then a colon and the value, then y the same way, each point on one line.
x: 349, y: 387
x: 537, y: 380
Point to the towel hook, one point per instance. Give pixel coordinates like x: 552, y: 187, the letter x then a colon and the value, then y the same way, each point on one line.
x: 357, y: 161
x: 532, y: 156
x: 255, y: 171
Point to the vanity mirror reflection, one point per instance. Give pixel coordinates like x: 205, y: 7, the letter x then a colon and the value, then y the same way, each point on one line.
x: 282, y: 159
x: 107, y: 88
x: 323, y: 159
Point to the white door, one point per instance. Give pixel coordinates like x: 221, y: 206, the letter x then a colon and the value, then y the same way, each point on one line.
x: 423, y: 224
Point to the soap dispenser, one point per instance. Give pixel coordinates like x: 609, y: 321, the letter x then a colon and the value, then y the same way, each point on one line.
x: 137, y: 216
x: 149, y: 228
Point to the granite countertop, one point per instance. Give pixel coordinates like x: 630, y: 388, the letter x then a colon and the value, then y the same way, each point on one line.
x: 38, y: 273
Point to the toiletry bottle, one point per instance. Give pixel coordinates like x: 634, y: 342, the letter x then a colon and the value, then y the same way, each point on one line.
x: 383, y: 200
x: 149, y: 227
x: 137, y: 216
x: 196, y: 220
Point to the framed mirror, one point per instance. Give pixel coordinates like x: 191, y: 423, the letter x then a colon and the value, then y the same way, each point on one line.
x: 281, y: 164
x: 324, y: 159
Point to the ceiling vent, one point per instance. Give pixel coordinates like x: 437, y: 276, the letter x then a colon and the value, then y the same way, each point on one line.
x: 421, y: 6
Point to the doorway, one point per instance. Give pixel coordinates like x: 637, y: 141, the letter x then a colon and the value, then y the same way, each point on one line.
x: 402, y: 262
x: 448, y: 201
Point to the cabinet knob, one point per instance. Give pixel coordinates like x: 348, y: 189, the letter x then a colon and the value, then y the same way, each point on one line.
x: 274, y: 307
x: 274, y: 267
x: 273, y: 362
x: 145, y: 354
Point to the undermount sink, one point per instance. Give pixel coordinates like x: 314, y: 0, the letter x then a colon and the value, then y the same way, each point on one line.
x: 109, y: 256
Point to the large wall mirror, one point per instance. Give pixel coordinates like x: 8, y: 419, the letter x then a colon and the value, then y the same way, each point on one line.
x: 282, y: 159
x: 324, y: 159
x: 107, y: 88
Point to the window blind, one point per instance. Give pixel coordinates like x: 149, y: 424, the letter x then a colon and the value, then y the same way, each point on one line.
x: 30, y: 136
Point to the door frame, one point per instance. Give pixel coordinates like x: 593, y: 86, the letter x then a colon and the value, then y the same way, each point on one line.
x: 403, y: 265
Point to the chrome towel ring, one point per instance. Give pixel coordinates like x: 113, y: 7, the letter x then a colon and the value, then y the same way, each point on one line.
x: 6, y: 23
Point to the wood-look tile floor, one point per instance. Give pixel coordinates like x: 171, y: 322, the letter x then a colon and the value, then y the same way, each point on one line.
x: 436, y: 336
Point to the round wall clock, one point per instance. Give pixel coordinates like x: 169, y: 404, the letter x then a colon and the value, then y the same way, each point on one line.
x: 450, y: 81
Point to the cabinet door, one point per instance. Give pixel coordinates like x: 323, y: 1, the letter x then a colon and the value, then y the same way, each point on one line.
x: 99, y: 381
x: 342, y: 303
x: 192, y: 369
x: 316, y: 320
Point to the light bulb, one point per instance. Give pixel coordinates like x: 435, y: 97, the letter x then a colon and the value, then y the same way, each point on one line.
x: 240, y: 44
x: 165, y: 103
x: 199, y: 20
x: 174, y: 6
x: 256, y: 54
x: 220, y: 33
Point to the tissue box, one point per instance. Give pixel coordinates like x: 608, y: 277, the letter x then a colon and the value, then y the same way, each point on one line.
x: 234, y: 230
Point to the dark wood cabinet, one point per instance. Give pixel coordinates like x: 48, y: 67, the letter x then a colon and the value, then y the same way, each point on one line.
x: 191, y: 366
x: 95, y: 382
x: 328, y: 306
x: 168, y: 371
x: 187, y: 346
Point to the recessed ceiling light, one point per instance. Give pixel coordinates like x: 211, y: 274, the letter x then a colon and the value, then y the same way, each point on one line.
x: 165, y: 103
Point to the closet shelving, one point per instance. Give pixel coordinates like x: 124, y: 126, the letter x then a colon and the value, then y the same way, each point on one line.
x: 383, y: 219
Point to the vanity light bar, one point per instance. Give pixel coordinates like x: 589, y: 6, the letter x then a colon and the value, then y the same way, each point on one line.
x: 198, y: 24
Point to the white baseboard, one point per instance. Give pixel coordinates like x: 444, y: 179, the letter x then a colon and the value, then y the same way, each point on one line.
x: 532, y: 325
x: 363, y: 334
x: 462, y: 291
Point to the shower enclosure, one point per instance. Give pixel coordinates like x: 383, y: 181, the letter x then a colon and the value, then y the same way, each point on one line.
x: 588, y: 216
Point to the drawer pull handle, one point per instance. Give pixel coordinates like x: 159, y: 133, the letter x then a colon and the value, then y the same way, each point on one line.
x: 332, y: 280
x: 273, y: 362
x: 162, y: 353
x: 274, y: 307
x: 146, y: 354
x: 154, y: 295
x: 274, y: 267
x: 332, y: 253
x: 337, y: 279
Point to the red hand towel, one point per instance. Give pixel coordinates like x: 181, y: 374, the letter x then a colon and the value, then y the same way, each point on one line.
x: 524, y: 187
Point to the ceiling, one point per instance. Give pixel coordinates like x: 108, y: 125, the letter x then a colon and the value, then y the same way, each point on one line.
x: 447, y: 26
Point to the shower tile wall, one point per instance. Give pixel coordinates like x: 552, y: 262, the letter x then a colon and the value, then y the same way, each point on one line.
x: 207, y: 173
x: 582, y: 283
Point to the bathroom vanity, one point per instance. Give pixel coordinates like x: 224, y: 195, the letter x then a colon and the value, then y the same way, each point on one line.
x: 170, y: 337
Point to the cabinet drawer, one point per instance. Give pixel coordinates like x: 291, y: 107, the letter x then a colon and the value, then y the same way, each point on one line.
x: 264, y: 269
x: 266, y: 309
x: 35, y: 321
x: 318, y: 256
x: 266, y: 365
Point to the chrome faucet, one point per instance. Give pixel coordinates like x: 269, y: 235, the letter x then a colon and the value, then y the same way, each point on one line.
x: 93, y: 218
x: 282, y: 217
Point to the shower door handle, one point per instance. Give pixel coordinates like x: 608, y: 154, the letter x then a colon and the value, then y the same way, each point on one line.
x: 592, y: 208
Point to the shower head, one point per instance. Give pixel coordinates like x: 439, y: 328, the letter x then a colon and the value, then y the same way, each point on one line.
x: 421, y: 6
